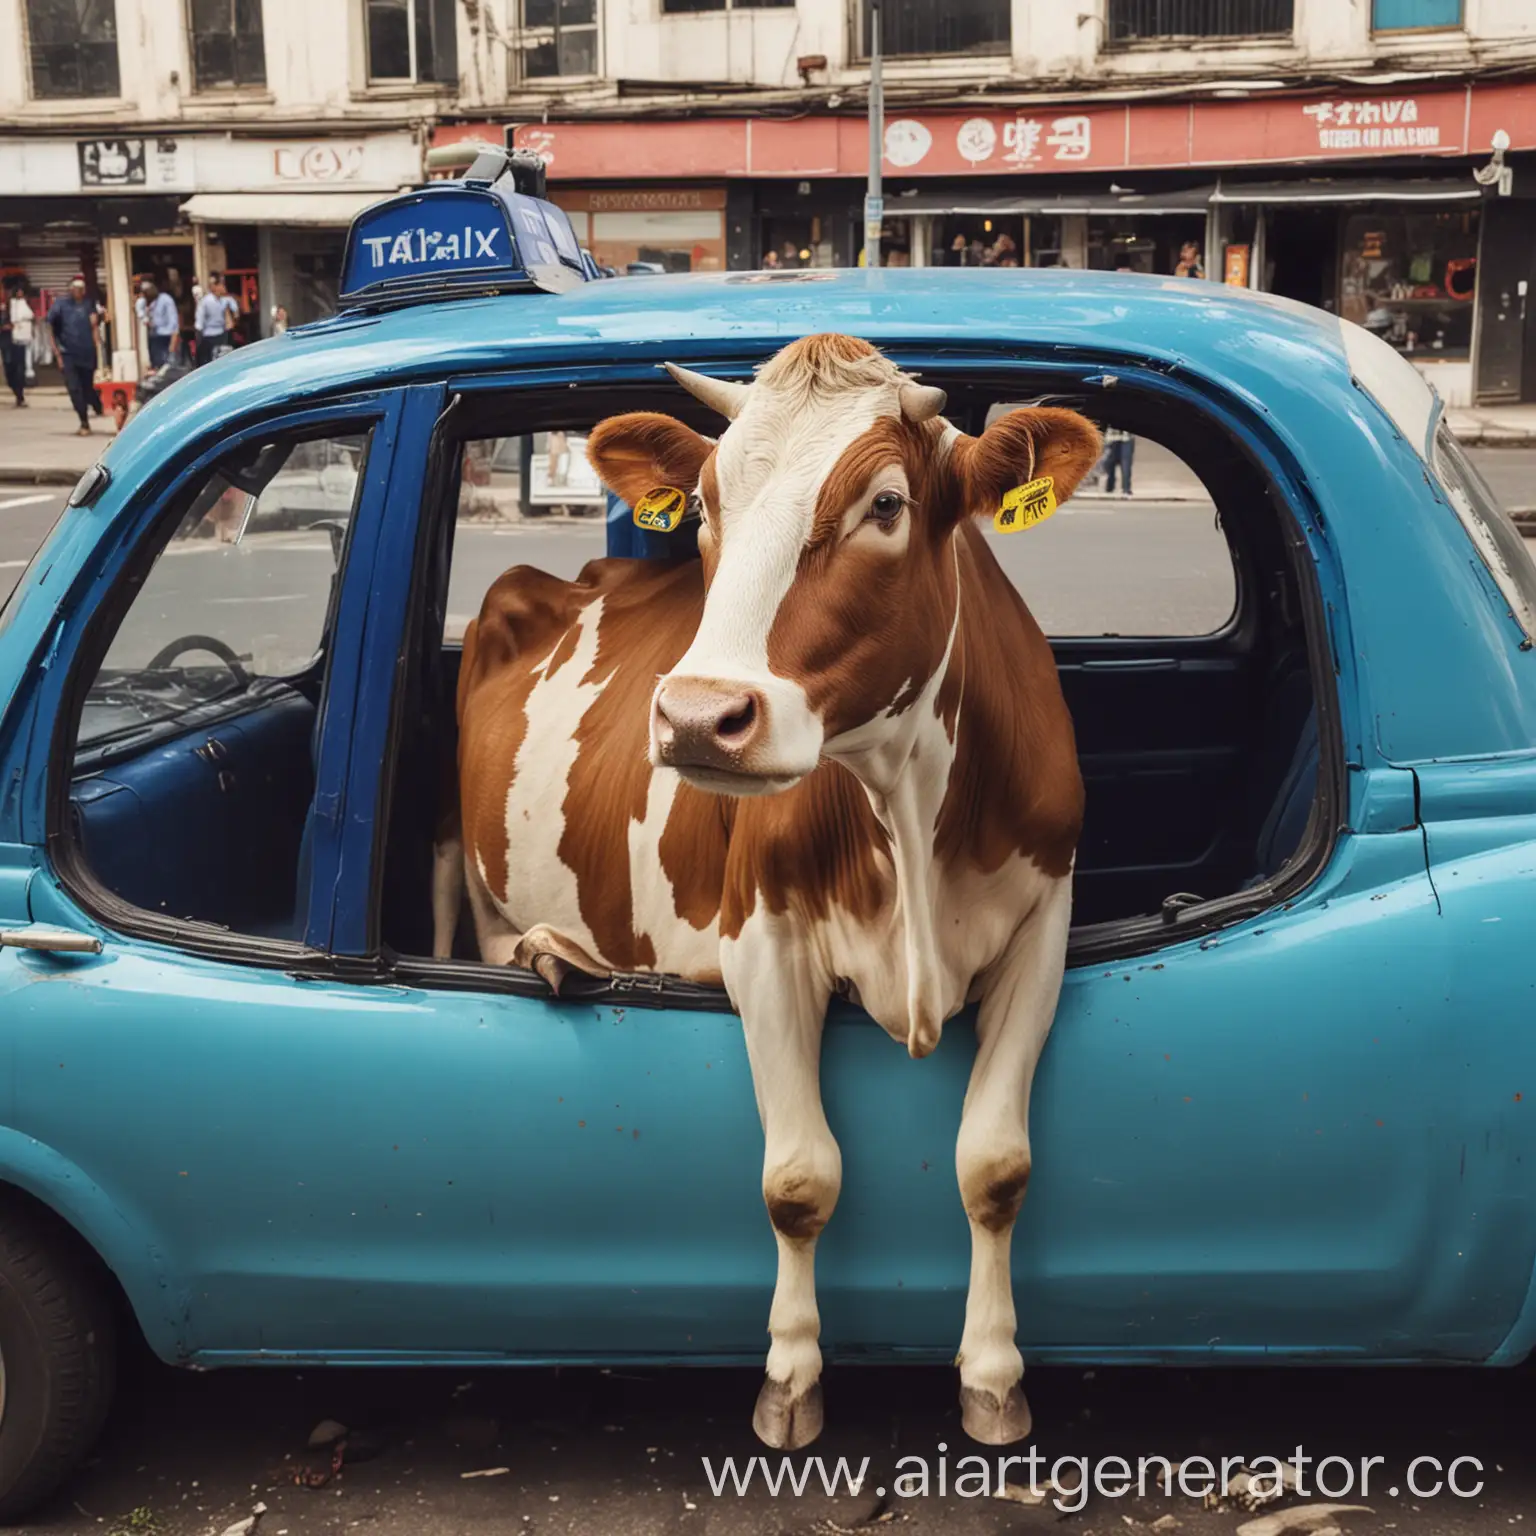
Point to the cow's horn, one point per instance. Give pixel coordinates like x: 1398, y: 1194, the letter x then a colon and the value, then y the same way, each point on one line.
x: 718, y: 394
x: 921, y: 402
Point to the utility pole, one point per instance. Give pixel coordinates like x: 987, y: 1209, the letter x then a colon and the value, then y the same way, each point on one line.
x: 874, y: 199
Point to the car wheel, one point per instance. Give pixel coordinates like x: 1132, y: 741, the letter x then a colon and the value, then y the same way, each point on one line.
x: 57, y: 1358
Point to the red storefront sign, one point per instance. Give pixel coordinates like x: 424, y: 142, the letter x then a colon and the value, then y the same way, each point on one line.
x: 1268, y: 130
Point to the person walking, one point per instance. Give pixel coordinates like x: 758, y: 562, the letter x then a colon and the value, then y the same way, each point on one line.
x: 16, y: 338
x: 162, y: 324
x: 74, y: 329
x: 215, y: 314
x: 1119, y: 451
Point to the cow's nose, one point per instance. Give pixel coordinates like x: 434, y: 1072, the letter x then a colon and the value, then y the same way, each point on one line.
x: 704, y: 724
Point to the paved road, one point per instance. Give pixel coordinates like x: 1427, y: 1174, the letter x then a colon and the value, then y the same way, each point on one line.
x: 620, y: 1452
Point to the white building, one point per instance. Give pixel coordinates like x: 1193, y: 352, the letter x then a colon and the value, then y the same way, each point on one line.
x: 1322, y: 148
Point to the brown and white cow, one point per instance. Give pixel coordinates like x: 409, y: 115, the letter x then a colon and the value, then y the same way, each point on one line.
x: 856, y: 772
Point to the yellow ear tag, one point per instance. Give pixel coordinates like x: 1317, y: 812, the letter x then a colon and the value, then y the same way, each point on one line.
x: 661, y: 510
x: 1025, y: 505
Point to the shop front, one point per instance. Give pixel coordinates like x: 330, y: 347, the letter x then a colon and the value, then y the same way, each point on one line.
x: 1372, y: 210
x: 649, y: 229
x: 270, y: 215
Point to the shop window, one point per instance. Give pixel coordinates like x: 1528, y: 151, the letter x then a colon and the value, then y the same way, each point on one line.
x: 1142, y: 20
x: 559, y: 38
x: 73, y: 48
x: 1411, y: 278
x: 1413, y: 15
x: 660, y: 240
x: 227, y: 45
x: 412, y: 40
x: 918, y: 28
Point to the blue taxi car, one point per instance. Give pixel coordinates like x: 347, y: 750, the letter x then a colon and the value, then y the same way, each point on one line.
x: 1288, y: 1109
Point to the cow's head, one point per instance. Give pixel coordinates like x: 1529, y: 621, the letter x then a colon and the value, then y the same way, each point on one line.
x: 828, y: 508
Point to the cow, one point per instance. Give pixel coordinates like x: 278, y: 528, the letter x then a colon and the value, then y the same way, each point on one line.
x: 831, y: 756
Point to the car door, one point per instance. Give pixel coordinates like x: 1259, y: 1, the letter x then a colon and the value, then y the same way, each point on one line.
x: 181, y: 1096
x: 1234, y: 1147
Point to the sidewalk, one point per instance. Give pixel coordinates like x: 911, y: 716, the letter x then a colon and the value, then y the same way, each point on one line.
x: 1494, y: 426
x: 38, y: 446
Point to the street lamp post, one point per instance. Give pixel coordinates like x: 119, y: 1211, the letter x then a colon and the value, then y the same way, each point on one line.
x: 874, y: 200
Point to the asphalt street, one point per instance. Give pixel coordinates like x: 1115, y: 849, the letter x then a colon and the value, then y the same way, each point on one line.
x: 622, y: 1452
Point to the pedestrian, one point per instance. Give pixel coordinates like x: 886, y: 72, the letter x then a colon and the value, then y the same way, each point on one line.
x: 215, y: 312
x: 1189, y: 263
x: 279, y: 319
x: 162, y: 325
x: 74, y: 329
x: 1119, y: 451
x: 16, y: 338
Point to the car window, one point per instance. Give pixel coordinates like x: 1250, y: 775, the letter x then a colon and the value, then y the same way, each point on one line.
x: 239, y: 594
x: 194, y: 766
x: 1138, y: 551
x: 1490, y: 528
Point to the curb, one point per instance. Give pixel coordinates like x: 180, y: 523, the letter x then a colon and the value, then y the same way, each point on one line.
x: 40, y: 474
x: 1496, y: 437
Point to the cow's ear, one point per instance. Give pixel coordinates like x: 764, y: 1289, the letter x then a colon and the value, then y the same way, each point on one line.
x: 644, y: 451
x: 1026, y: 445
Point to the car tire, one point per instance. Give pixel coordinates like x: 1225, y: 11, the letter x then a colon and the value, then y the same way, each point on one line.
x: 58, y: 1358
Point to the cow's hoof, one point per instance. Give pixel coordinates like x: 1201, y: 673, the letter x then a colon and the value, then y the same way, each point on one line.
x: 787, y: 1423
x: 992, y: 1422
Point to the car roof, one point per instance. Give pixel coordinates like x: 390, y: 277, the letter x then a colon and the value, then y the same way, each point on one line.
x: 1226, y: 333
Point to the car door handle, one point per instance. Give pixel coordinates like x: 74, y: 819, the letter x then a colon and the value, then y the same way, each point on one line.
x: 68, y: 941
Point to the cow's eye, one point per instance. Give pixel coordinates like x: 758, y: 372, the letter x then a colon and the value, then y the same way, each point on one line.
x: 886, y: 507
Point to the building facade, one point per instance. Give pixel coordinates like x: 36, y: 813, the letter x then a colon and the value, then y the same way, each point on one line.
x: 173, y: 138
x: 1318, y: 149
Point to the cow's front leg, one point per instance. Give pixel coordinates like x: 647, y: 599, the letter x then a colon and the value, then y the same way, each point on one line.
x: 992, y: 1160
x: 783, y: 1002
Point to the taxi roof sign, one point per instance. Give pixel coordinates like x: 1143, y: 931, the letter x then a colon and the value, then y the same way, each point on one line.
x: 481, y: 234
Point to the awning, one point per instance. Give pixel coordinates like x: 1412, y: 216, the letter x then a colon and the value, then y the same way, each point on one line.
x: 330, y: 209
x: 1191, y: 200
x: 1442, y: 191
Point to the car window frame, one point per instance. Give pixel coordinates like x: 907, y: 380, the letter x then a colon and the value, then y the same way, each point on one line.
x: 106, y: 749
x: 149, y: 524
x: 1482, y: 518
x: 1293, y: 504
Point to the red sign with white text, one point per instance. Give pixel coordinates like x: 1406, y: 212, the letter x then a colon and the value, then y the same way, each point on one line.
x: 1342, y: 126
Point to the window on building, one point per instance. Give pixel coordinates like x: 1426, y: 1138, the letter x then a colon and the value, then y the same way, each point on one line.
x: 680, y: 7
x: 73, y: 47
x: 412, y: 40
x: 919, y: 27
x: 559, y: 38
x: 1411, y: 15
x: 227, y: 47
x: 1133, y: 21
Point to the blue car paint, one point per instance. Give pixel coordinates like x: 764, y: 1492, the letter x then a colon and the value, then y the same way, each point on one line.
x: 1306, y: 1136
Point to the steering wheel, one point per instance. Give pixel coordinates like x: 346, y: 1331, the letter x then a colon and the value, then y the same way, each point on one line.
x: 162, y: 659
